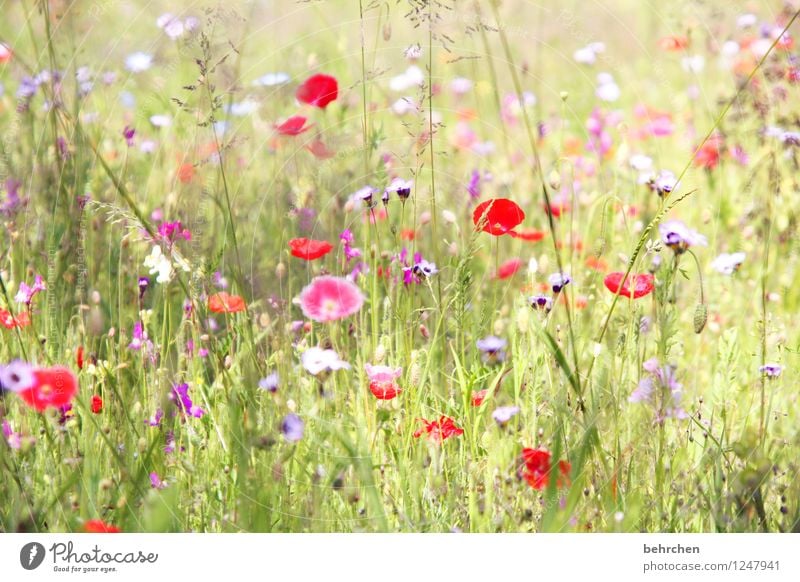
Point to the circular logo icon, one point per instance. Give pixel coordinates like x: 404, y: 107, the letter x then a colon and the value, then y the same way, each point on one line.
x: 31, y: 555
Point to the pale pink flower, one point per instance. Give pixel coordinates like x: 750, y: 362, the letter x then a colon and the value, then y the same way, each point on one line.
x: 329, y: 298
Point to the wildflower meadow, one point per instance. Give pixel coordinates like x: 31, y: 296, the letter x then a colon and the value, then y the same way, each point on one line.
x: 399, y: 266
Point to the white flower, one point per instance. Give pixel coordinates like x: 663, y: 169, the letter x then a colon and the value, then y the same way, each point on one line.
x: 412, y: 77
x: 316, y: 360
x: 413, y: 52
x: 607, y: 89
x: 746, y: 20
x: 727, y: 264
x: 161, y: 120
x: 272, y: 79
x: 403, y: 106
x: 158, y: 263
x: 693, y: 64
x: 138, y: 62
x: 243, y: 108
x: 641, y: 162
x: 460, y: 85
x: 588, y: 54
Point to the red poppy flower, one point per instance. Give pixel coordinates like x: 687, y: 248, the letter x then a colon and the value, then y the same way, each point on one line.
x: 5, y: 53
x: 558, y: 207
x: 9, y: 322
x: 536, y: 468
x: 79, y: 357
x: 385, y: 390
x: 97, y: 404
x: 99, y: 526
x: 479, y: 396
x: 439, y: 430
x: 186, y: 173
x: 52, y: 387
x: 642, y: 284
x: 318, y: 90
x: 408, y: 234
x: 596, y: 263
x: 295, y: 125
x: 673, y: 43
x: 509, y: 268
x: 319, y: 150
x: 709, y: 153
x: 309, y: 249
x: 497, y: 216
x: 223, y: 302
x: 530, y: 234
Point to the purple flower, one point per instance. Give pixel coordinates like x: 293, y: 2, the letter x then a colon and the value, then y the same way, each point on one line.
x: 474, y: 185
x: 661, y: 380
x: 503, y: 414
x: 771, y: 370
x: 180, y: 395
x: 558, y: 281
x: 425, y: 269
x: 347, y: 240
x: 269, y: 383
x: 220, y: 281
x: 14, y: 439
x: 16, y: 376
x: 13, y: 201
x: 365, y: 195
x: 128, y: 133
x: 664, y: 183
x: 155, y: 420
x: 170, y: 231
x: 728, y: 264
x: 144, y: 282
x: 679, y: 237
x: 401, y: 187
x: 26, y: 294
x: 541, y: 302
x: 493, y: 349
x: 292, y: 428
x: 156, y: 482
x: 139, y: 337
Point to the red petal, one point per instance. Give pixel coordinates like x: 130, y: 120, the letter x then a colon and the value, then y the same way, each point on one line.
x: 497, y: 216
x: 318, y: 90
x: 642, y: 284
x: 295, y: 125
x: 309, y: 249
x: 222, y: 302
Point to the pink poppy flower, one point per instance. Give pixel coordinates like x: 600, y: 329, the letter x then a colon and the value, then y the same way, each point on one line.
x: 382, y: 381
x: 329, y: 298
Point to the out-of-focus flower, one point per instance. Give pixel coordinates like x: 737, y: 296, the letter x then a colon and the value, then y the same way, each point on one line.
x: 771, y: 370
x: 383, y: 381
x: 292, y: 428
x: 679, y: 237
x: 138, y: 62
x: 728, y: 264
x: 439, y: 430
x: 318, y: 361
x: 329, y: 298
x: 503, y: 414
x: 492, y: 349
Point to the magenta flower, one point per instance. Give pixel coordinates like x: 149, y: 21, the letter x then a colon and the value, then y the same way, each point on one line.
x: 26, y: 294
x: 156, y: 482
x: 180, y: 396
x: 329, y: 298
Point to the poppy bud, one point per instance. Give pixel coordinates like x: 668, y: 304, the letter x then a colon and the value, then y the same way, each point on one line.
x: 700, y: 317
x: 97, y: 404
x: 387, y: 32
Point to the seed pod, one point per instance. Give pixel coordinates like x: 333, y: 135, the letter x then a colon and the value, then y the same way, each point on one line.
x: 700, y: 317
